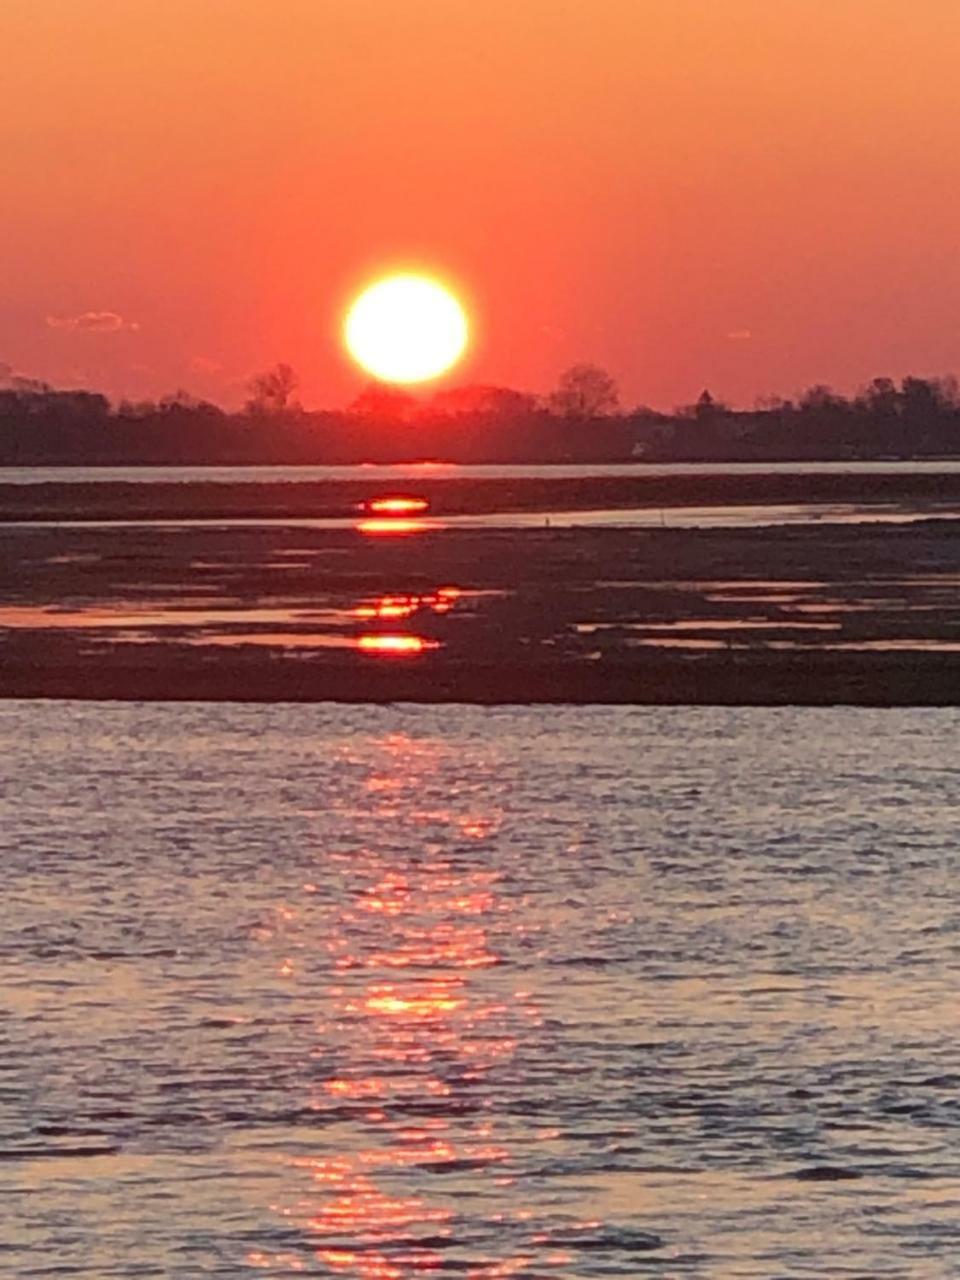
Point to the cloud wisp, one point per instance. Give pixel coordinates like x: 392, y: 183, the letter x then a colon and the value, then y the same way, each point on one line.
x: 93, y: 322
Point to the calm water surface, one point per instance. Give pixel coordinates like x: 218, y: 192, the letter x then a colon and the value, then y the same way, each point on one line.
x: 441, y: 470
x: 383, y: 992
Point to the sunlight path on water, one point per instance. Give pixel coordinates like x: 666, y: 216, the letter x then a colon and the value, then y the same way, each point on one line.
x: 374, y: 993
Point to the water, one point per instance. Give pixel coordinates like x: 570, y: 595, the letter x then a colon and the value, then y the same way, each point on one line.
x: 453, y: 470
x: 742, y: 516
x: 382, y: 992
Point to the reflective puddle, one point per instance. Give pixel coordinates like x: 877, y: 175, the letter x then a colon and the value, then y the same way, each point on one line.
x: 375, y: 626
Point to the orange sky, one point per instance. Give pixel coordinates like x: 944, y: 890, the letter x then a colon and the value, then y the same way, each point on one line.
x: 747, y: 194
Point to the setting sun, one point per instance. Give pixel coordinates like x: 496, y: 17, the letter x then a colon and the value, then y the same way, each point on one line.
x: 406, y: 328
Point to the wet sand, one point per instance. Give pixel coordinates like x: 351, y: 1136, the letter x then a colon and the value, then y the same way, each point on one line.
x: 815, y: 615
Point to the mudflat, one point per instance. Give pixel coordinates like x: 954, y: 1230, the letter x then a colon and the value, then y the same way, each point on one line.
x: 818, y: 614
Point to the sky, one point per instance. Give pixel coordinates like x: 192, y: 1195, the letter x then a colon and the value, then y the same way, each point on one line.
x: 746, y: 195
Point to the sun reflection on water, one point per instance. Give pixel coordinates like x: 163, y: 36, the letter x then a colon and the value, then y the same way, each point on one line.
x: 387, y: 526
x: 401, y: 608
x: 405, y: 606
x: 399, y: 644
x: 409, y: 1045
x: 396, y: 505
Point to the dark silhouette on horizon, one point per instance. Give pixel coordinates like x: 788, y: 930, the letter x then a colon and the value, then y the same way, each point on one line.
x: 581, y: 421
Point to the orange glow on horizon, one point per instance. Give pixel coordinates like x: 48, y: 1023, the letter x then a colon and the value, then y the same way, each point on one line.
x: 524, y: 167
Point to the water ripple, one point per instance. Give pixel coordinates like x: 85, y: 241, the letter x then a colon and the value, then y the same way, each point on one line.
x: 376, y: 992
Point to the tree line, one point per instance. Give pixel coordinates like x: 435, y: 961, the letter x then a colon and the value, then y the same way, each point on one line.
x: 581, y: 420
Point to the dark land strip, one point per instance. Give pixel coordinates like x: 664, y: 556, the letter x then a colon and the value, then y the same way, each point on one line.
x: 209, y: 500
x: 814, y: 615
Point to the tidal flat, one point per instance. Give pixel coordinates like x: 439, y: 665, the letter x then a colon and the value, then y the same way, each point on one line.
x: 814, y: 613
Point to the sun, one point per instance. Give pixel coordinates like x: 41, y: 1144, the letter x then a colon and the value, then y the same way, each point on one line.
x: 406, y: 328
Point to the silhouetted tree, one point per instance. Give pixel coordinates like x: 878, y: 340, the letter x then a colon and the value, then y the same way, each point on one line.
x: 881, y: 397
x: 137, y: 408
x: 922, y: 398
x: 708, y: 408
x: 271, y: 391
x: 821, y: 399
x: 484, y: 401
x: 182, y: 401
x: 585, y: 391
x: 380, y: 402
x: 31, y: 386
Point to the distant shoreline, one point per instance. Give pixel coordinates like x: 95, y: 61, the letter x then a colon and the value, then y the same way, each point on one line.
x: 804, y: 461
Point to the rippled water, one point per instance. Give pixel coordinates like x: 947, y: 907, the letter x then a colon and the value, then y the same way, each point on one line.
x: 382, y: 992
